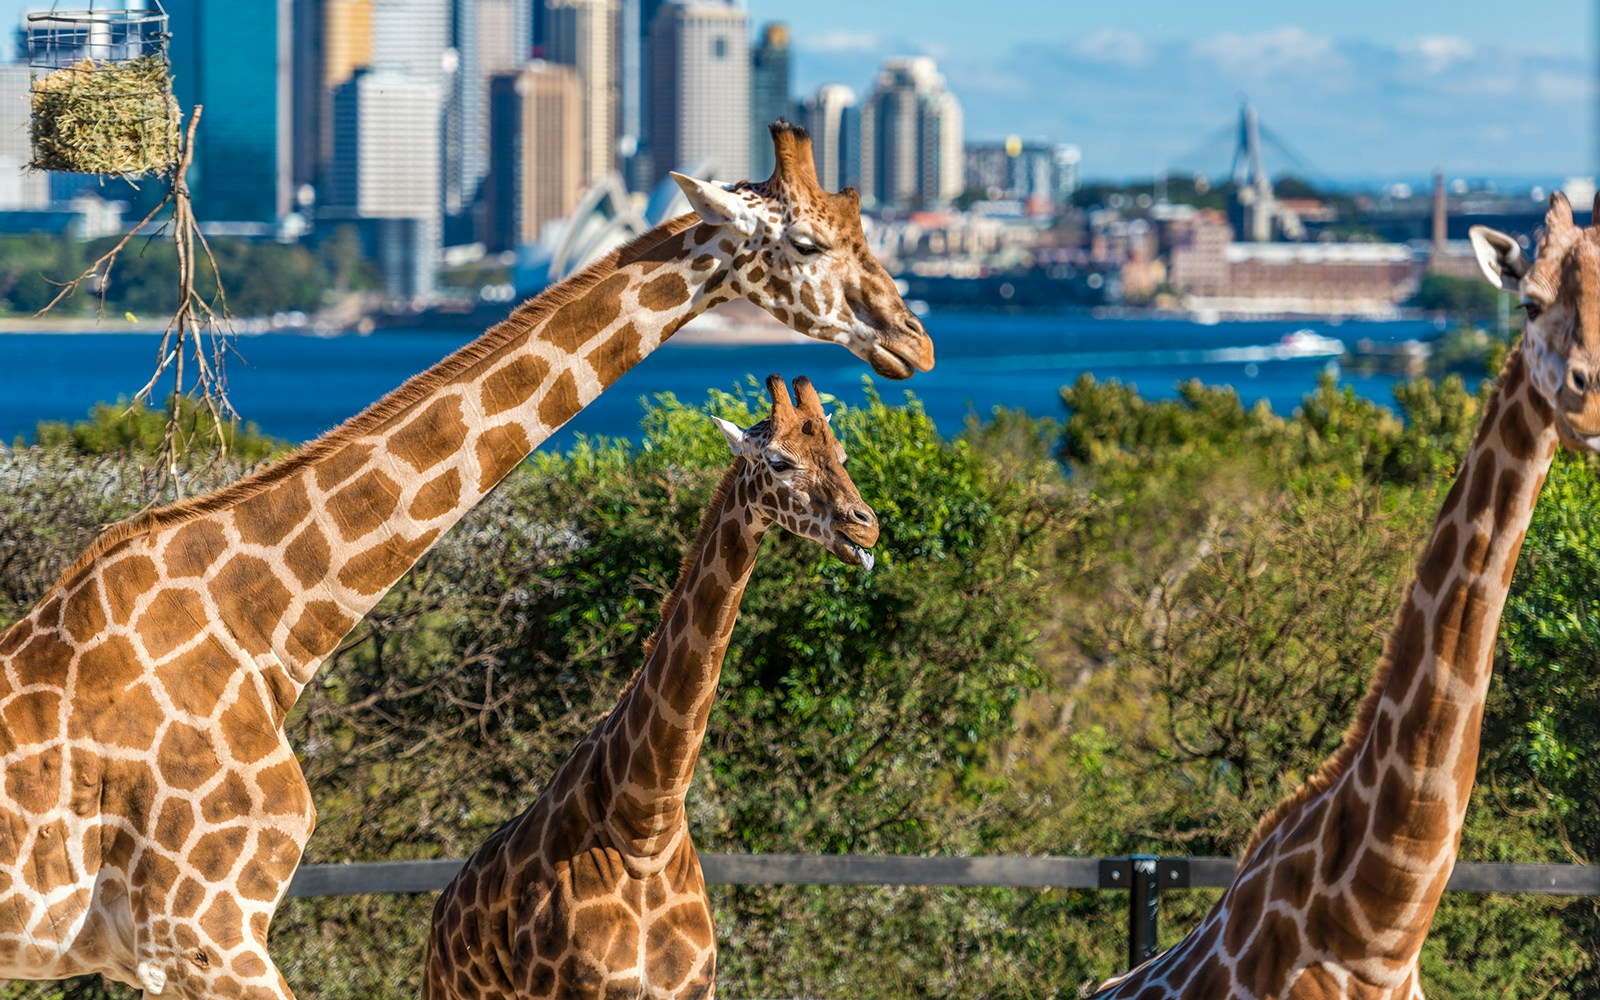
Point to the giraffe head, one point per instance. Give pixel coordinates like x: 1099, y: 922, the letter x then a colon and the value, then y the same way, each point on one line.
x: 1560, y: 293
x: 792, y: 468
x: 800, y: 254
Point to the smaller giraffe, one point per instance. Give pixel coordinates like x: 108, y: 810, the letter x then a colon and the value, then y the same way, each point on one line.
x: 596, y: 889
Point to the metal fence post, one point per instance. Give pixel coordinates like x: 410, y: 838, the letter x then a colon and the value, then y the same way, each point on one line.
x: 1144, y: 876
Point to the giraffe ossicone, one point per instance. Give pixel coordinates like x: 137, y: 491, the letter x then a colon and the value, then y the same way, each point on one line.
x: 1339, y: 884
x: 154, y: 811
x: 596, y: 889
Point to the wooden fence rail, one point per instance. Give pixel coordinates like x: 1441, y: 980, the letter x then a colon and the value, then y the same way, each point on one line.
x: 860, y: 869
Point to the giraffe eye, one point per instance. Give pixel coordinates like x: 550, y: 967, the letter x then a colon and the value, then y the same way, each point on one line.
x: 805, y: 245
x: 1532, y: 310
x: 779, y: 463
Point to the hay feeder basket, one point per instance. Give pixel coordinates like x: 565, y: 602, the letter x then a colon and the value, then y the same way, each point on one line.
x: 102, y: 90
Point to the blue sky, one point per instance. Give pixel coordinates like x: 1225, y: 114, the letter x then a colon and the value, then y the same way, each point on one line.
x: 1356, y: 88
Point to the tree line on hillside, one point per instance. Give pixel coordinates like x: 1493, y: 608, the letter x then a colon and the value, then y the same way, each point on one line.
x: 1131, y: 629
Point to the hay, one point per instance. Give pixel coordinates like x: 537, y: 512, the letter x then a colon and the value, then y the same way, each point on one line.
x: 106, y: 118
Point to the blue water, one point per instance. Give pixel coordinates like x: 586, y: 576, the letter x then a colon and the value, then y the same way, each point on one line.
x: 296, y: 387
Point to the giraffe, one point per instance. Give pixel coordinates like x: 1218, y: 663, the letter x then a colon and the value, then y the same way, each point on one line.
x: 154, y: 811
x: 596, y: 889
x: 1340, y: 881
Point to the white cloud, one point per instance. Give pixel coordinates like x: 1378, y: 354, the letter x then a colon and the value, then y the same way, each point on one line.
x: 1282, y: 51
x: 1438, y: 52
x: 1113, y: 45
x: 842, y: 41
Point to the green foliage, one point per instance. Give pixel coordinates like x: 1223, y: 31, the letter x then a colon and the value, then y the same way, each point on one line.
x: 1470, y: 300
x: 134, y: 429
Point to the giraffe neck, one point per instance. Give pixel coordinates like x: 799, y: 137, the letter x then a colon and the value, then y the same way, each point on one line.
x: 652, y: 739
x: 311, y: 544
x: 1396, y: 795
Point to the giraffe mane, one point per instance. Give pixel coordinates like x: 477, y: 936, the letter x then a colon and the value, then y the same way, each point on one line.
x: 524, y: 319
x: 702, y: 539
x: 1336, y: 766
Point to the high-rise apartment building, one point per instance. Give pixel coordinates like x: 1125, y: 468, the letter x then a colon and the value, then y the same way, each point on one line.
x: 20, y: 188
x: 536, y: 156
x: 491, y: 37
x: 911, y: 138
x: 769, y: 94
x: 235, y: 59
x: 386, y: 172
x: 700, y: 87
x: 586, y: 35
x: 412, y: 36
x: 346, y: 47
x: 834, y: 121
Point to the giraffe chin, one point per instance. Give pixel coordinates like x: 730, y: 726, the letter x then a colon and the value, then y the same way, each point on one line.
x: 854, y: 554
x: 888, y: 363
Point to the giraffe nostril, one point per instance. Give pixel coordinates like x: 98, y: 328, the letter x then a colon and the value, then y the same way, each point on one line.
x: 862, y: 515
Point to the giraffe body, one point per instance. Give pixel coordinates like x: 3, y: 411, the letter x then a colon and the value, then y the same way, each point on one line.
x: 1338, y: 886
x: 153, y: 810
x: 596, y: 890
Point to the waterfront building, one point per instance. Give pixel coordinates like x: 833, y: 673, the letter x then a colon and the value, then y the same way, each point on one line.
x: 234, y: 58
x: 769, y: 94
x: 834, y: 121
x: 1040, y: 174
x: 536, y: 155
x: 911, y: 138
x: 386, y: 173
x: 700, y: 89
x: 585, y: 35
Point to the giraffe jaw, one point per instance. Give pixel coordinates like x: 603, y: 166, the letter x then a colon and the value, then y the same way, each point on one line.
x: 854, y: 554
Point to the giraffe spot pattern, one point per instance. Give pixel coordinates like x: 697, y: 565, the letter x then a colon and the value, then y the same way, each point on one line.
x: 513, y: 384
x: 250, y: 597
x: 308, y: 556
x: 499, y: 449
x: 194, y: 548
x: 432, y: 436
x: 371, y: 572
x: 342, y: 464
x: 560, y: 402
x: 438, y: 497
x: 619, y: 353
x: 665, y: 292
x: 361, y: 507
x: 571, y: 326
x: 268, y: 518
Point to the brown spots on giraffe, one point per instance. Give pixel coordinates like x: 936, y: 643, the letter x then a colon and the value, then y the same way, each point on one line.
x: 1294, y: 878
x: 437, y: 497
x: 513, y: 384
x: 223, y: 922
x: 186, y: 757
x: 195, y: 680
x: 33, y: 783
x: 48, y: 866
x: 13, y: 638
x: 283, y: 789
x: 665, y: 292
x: 1510, y: 566
x: 308, y: 556
x: 217, y: 851
x: 559, y: 403
x: 429, y: 438
x: 1274, y: 957
x: 270, y: 867
x: 194, y: 548
x: 175, y: 822
x: 342, y: 464
x: 268, y: 518
x: 1344, y: 826
x: 82, y: 615
x: 318, y: 629
x: 250, y: 601
x: 224, y: 800
x: 1400, y: 815
x: 170, y: 620
x: 104, y: 671
x: 1507, y: 496
x: 188, y: 896
x: 377, y: 568
x: 1452, y: 499
x: 1516, y: 434
x: 704, y: 262
x: 1483, y: 480
x: 1211, y: 979
x: 31, y: 717
x: 1245, y: 902
x: 676, y: 942
x: 781, y: 289
x: 726, y: 246
x: 571, y: 326
x: 250, y: 966
x: 755, y: 274
x: 1439, y: 558
x: 1475, y: 553
x: 366, y: 503
x: 618, y: 354
x: 608, y: 930
x: 808, y: 299
x: 250, y: 728
x: 499, y: 449
x: 1408, y: 647
x: 125, y: 580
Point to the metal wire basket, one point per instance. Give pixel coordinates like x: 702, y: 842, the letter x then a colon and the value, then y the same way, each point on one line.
x: 102, y: 90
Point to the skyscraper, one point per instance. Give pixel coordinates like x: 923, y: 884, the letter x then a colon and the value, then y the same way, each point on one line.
x: 911, y: 138
x: 346, y: 47
x: 305, y: 119
x: 234, y: 58
x: 536, y: 153
x: 585, y: 34
x: 700, y: 87
x: 834, y: 121
x: 412, y: 36
x: 769, y: 94
x: 385, y: 174
x: 487, y: 34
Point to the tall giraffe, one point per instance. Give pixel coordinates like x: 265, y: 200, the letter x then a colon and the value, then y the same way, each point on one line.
x: 153, y: 810
x: 1340, y: 881
x: 596, y: 890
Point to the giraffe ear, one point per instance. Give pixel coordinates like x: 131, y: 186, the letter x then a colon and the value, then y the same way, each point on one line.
x: 717, y: 205
x: 737, y: 442
x: 1499, y: 256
